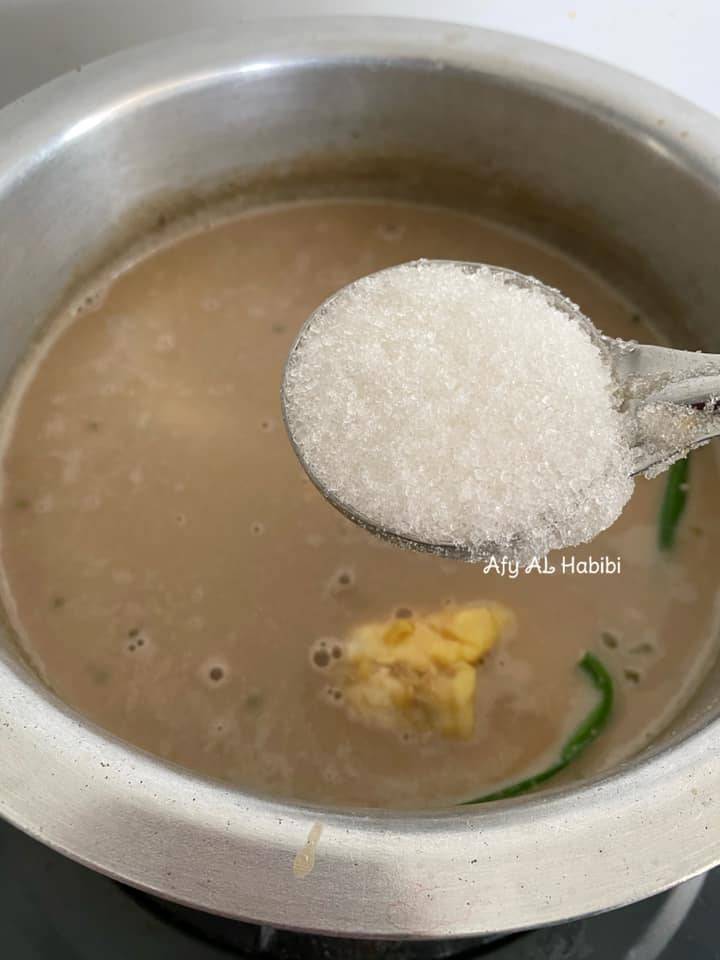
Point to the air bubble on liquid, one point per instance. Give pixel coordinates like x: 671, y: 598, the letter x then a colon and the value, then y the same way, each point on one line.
x: 321, y: 659
x: 257, y: 528
x: 181, y: 519
x: 341, y: 581
x: 267, y: 425
x: 610, y: 639
x: 314, y: 540
x: 334, y: 695
x: 137, y: 639
x: 403, y: 613
x: 322, y: 652
x: 197, y: 594
x: 214, y: 672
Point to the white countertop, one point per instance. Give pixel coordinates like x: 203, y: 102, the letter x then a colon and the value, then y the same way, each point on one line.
x: 671, y: 42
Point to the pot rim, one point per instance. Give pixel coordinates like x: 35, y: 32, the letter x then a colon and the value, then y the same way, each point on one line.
x: 465, y: 871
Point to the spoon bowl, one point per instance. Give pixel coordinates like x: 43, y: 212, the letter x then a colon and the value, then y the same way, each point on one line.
x: 651, y: 380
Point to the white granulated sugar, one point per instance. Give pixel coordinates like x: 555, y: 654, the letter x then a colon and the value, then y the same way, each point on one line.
x: 451, y: 406
x: 665, y: 432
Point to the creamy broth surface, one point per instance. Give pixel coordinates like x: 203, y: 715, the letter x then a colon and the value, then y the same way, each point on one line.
x: 168, y: 567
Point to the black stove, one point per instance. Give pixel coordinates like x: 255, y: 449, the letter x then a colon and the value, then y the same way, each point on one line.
x: 53, y: 909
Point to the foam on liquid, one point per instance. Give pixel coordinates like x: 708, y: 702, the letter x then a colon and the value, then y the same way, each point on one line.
x: 451, y: 406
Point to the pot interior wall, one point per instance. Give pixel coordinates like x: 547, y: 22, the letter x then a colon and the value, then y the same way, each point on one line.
x: 620, y: 198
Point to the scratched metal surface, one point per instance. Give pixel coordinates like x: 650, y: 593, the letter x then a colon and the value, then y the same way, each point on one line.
x: 54, y: 909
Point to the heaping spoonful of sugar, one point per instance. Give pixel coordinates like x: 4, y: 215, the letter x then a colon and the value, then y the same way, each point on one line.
x: 471, y: 411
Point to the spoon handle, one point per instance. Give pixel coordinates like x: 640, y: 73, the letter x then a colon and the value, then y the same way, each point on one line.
x: 654, y: 375
x: 662, y: 374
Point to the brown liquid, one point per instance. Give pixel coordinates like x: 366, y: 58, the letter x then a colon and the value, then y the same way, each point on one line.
x: 168, y: 567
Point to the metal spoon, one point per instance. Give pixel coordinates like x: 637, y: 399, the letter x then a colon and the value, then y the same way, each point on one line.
x: 645, y: 376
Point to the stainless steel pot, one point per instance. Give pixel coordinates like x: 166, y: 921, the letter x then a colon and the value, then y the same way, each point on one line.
x: 624, y: 173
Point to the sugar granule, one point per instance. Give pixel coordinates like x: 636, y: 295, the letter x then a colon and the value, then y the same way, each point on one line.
x: 454, y: 407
